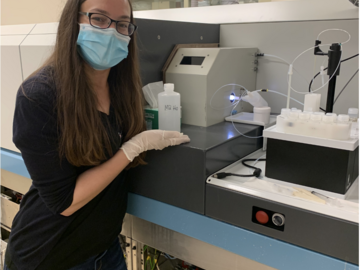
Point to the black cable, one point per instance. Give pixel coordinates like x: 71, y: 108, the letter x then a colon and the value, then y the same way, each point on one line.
x: 251, y: 159
x: 256, y: 173
x: 327, y: 68
x: 345, y: 86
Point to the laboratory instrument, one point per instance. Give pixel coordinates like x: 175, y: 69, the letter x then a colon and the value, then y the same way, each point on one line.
x: 286, y: 211
x: 198, y: 73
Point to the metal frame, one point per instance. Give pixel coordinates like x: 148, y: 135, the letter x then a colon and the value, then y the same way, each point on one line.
x: 181, y: 246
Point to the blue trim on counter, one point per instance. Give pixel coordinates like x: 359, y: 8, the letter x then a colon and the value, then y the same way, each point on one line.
x: 263, y: 249
x: 13, y: 162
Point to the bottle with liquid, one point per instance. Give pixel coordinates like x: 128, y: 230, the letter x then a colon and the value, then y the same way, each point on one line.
x: 353, y: 114
x: 354, y: 133
x: 169, y: 108
x: 353, y: 118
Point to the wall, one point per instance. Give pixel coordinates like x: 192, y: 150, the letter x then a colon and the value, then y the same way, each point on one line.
x: 30, y: 11
x: 300, y: 10
x: 289, y: 39
x: 42, y: 11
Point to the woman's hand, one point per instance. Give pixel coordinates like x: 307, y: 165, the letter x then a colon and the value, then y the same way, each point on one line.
x: 152, y: 140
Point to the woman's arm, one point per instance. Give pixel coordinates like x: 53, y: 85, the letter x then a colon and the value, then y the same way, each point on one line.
x: 91, y: 182
x: 58, y: 183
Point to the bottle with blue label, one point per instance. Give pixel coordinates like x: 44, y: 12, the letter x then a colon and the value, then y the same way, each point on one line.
x: 169, y: 108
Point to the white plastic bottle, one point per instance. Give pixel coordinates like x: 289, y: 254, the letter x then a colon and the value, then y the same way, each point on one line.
x: 262, y: 114
x: 282, y: 119
x: 334, y: 116
x: 354, y: 133
x: 292, y: 125
x: 312, y: 102
x: 314, y: 125
x: 327, y: 126
x: 303, y: 124
x: 354, y: 116
x: 169, y: 108
x: 342, y: 127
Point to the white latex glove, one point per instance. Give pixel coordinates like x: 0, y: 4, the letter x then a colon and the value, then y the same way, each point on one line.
x: 152, y: 140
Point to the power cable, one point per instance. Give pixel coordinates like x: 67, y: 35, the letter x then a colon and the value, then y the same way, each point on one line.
x: 345, y: 86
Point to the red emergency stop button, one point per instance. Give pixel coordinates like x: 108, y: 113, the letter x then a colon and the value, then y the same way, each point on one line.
x: 262, y: 217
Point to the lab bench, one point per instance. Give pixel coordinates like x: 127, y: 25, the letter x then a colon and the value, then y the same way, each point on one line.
x: 198, y: 239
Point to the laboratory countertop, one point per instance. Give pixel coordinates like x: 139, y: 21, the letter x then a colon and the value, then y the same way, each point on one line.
x: 207, y: 137
x: 263, y: 249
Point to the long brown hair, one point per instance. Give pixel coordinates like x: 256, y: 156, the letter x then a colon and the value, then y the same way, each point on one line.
x: 82, y: 134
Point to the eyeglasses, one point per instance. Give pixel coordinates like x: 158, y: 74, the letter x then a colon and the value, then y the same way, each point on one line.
x: 101, y: 21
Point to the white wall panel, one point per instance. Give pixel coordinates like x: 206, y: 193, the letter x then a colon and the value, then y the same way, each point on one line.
x: 35, y: 50
x: 20, y: 29
x: 258, y: 12
x: 11, y: 79
x: 287, y: 40
x: 45, y: 28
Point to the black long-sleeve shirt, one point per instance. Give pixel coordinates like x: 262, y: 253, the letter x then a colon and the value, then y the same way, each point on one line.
x: 41, y: 238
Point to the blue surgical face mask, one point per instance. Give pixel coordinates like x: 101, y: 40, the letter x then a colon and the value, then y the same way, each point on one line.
x: 102, y: 48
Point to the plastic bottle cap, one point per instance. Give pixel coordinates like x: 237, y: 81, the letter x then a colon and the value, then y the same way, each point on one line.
x: 304, y: 116
x: 294, y: 114
x: 316, y: 117
x: 327, y: 118
x: 285, y: 112
x: 333, y: 115
x: 319, y: 113
x: 293, y: 109
x: 169, y: 87
x: 343, y: 118
x: 353, y: 112
x: 308, y: 109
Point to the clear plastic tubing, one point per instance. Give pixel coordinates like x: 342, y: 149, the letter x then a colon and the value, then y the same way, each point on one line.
x: 281, y: 94
x: 311, y: 48
x: 290, y: 73
x: 336, y: 29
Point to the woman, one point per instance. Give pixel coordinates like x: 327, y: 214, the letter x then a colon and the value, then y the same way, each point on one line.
x: 71, y: 118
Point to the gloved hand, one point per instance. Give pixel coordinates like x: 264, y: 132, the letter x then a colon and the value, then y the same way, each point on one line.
x: 152, y: 140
